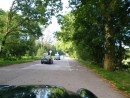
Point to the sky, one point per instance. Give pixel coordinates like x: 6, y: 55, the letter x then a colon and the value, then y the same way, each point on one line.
x: 5, y: 5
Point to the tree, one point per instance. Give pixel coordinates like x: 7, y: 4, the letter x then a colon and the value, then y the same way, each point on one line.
x: 66, y: 34
x: 108, y: 19
x: 25, y: 17
x: 100, y: 30
x: 22, y: 23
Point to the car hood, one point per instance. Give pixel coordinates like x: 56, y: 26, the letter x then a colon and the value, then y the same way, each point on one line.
x: 42, y: 91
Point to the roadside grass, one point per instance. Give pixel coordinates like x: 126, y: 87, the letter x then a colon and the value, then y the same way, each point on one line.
x: 23, y: 60
x: 120, y: 79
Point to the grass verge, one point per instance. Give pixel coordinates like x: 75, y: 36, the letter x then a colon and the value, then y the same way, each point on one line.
x: 23, y: 60
x: 120, y: 79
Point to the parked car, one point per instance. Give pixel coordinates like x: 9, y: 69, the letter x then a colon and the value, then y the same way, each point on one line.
x: 47, y: 59
x: 57, y: 57
x: 42, y: 91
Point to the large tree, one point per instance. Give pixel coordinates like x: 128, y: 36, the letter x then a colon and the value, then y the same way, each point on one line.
x: 109, y: 19
x: 101, y: 29
x: 25, y: 18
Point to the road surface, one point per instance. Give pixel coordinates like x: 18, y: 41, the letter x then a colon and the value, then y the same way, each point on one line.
x: 66, y: 73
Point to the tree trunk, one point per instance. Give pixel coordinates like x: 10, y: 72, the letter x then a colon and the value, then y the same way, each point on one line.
x: 109, y: 47
x: 108, y: 62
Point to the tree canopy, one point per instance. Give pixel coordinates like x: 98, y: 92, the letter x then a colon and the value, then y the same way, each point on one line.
x: 22, y: 22
x: 100, y: 30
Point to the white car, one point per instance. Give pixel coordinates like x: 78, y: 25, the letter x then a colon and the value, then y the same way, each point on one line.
x: 57, y: 57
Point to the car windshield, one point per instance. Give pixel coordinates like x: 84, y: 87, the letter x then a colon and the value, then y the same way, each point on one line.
x: 47, y: 56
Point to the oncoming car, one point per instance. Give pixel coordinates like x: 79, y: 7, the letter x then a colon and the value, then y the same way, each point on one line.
x: 57, y: 57
x: 47, y: 59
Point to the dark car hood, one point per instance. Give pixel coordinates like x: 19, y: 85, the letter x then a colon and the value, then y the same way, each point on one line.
x: 42, y: 91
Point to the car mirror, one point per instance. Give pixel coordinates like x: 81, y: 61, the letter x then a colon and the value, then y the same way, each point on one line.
x: 84, y: 93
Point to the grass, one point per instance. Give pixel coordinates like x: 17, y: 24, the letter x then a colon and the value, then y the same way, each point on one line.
x: 23, y: 60
x: 120, y: 79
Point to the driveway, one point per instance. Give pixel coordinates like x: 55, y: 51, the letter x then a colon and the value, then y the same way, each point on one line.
x: 65, y: 72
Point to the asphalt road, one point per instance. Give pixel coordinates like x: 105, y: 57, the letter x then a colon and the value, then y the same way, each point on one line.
x: 66, y: 73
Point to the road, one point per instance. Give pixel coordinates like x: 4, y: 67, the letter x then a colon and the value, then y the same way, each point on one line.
x: 66, y: 73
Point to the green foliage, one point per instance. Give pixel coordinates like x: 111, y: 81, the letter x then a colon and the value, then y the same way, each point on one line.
x: 40, y: 52
x: 20, y: 26
x: 23, y: 60
x: 18, y: 47
x: 43, y: 47
x: 89, y: 35
x: 97, y: 29
x: 91, y: 25
x: 67, y: 28
x: 37, y: 10
x: 65, y: 37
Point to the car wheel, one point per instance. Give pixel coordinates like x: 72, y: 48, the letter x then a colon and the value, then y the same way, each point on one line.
x: 49, y: 61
